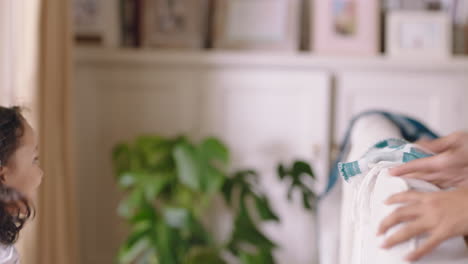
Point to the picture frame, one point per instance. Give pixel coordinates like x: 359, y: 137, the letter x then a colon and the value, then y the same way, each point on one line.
x: 88, y: 21
x: 345, y: 27
x: 175, y: 24
x: 238, y: 25
x: 425, y: 34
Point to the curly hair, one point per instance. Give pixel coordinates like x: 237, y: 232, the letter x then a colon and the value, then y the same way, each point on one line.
x: 15, y: 209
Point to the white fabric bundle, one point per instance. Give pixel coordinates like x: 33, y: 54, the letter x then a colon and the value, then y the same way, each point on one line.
x: 363, y: 207
x: 367, y: 131
x: 368, y: 203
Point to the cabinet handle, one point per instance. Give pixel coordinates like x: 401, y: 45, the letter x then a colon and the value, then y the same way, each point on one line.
x: 316, y: 151
x: 335, y: 151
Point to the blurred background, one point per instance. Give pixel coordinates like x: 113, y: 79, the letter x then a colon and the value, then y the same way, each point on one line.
x: 272, y: 84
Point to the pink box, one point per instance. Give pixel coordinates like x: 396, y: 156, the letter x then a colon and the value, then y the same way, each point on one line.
x: 346, y: 27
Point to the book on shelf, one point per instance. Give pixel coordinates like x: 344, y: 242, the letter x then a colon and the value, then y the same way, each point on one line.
x: 130, y: 22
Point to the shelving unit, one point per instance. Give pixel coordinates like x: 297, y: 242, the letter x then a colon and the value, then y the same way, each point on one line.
x: 293, y: 104
x: 115, y: 57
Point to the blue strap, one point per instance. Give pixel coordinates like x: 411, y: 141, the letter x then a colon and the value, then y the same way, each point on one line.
x: 410, y: 129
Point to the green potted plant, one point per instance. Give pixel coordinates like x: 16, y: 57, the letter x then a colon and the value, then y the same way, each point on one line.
x: 169, y: 185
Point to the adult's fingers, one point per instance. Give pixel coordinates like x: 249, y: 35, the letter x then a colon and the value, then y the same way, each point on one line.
x: 402, y: 214
x: 440, y: 144
x: 409, y: 231
x: 424, y: 142
x: 418, y: 175
x: 438, y: 178
x: 430, y: 244
x: 428, y: 164
x: 405, y: 197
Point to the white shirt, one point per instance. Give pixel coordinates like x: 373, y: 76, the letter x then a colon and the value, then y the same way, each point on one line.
x: 8, y: 255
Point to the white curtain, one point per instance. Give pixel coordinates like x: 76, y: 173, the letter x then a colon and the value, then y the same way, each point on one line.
x: 19, y: 32
x: 19, y: 39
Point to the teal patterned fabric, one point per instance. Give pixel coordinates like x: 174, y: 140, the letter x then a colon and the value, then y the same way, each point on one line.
x: 410, y: 129
x: 393, y: 149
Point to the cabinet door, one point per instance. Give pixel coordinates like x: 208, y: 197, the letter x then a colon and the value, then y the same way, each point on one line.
x: 267, y: 116
x: 115, y: 104
x: 436, y: 99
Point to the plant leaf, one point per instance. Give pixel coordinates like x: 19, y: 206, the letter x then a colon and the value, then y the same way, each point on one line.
x: 154, y: 184
x: 213, y: 149
x: 126, y: 180
x: 306, y: 201
x: 246, y: 231
x: 167, y: 241
x: 264, y: 209
x: 260, y: 257
x: 186, y: 163
x: 281, y: 171
x: 128, y: 206
x: 155, y: 151
x: 146, y: 214
x: 133, y: 247
x: 301, y: 167
x: 176, y: 217
x: 227, y: 190
x: 212, y: 180
x: 149, y: 257
x: 121, y: 156
x: 203, y: 255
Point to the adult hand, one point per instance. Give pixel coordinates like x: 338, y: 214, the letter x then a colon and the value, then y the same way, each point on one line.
x: 449, y: 168
x: 440, y: 215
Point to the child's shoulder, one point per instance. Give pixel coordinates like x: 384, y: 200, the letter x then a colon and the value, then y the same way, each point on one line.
x: 8, y: 255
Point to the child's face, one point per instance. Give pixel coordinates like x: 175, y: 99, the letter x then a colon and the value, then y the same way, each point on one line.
x: 23, y: 172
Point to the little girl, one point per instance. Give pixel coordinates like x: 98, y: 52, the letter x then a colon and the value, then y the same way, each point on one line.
x: 20, y: 176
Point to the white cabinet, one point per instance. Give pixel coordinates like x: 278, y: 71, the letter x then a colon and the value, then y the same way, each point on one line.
x: 116, y: 104
x: 269, y: 113
x: 267, y: 108
x: 439, y: 100
x: 264, y: 116
x: 268, y: 116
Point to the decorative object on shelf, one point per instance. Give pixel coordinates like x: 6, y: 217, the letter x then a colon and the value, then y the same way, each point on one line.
x: 459, y: 11
x: 170, y: 185
x: 257, y: 24
x: 88, y: 23
x: 130, y: 22
x: 414, y: 4
x: 391, y: 5
x: 465, y: 38
x: 178, y: 24
x: 419, y: 34
x: 346, y: 27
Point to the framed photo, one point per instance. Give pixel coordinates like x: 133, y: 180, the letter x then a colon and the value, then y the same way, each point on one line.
x: 419, y: 34
x: 175, y: 23
x: 346, y: 27
x: 257, y: 25
x: 88, y: 22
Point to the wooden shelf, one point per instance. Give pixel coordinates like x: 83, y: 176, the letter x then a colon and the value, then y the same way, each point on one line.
x: 302, y: 60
